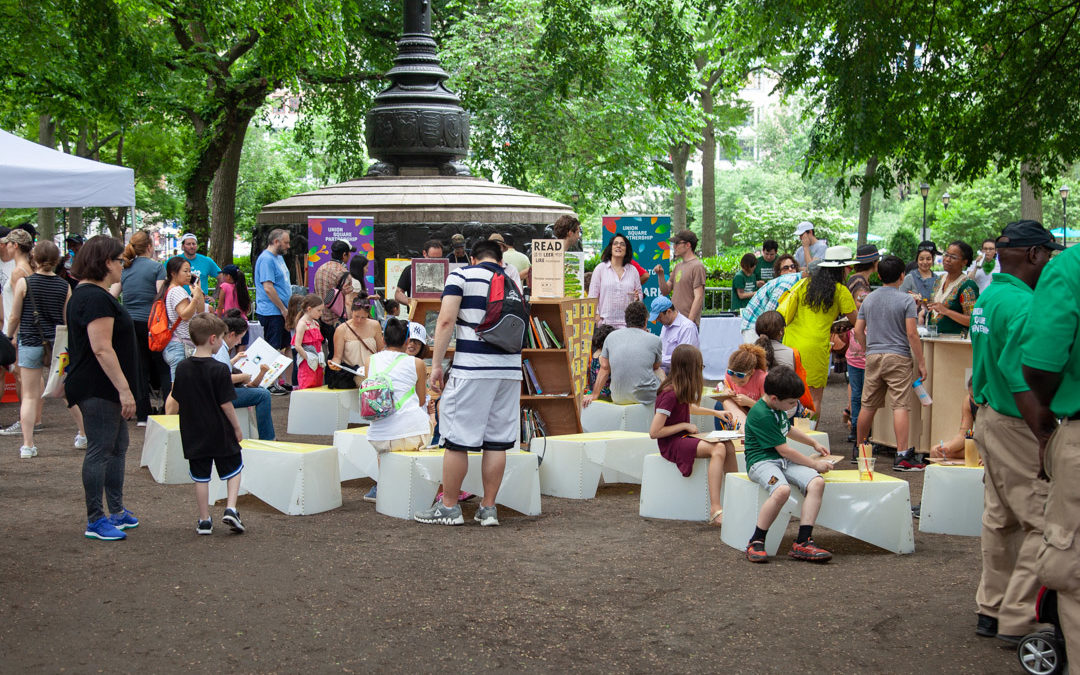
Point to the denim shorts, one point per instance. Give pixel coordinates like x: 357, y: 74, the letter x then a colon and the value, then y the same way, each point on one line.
x: 31, y: 356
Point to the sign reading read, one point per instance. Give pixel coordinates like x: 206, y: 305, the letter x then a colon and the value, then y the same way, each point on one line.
x: 547, y: 268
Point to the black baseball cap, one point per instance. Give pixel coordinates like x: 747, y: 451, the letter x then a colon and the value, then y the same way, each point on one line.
x: 77, y: 238
x: 1027, y: 233
x: 339, y: 247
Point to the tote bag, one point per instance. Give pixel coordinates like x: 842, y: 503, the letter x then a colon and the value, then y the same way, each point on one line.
x: 58, y: 366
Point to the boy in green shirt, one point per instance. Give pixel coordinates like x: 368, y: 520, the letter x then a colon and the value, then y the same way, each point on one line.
x: 744, y: 284
x: 773, y: 464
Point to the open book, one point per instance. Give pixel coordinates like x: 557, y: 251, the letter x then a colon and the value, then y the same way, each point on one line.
x: 721, y: 435
x: 258, y: 353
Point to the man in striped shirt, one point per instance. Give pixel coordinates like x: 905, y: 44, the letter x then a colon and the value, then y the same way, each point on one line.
x: 480, y: 407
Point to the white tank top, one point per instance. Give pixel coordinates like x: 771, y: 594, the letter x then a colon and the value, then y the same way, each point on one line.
x: 409, y: 419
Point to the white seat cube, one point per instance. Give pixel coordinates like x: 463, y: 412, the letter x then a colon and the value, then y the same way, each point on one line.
x: 666, y: 493
x: 605, y: 416
x: 319, y: 411
x: 358, y: 458
x: 163, y: 450
x: 408, y: 482
x: 294, y: 478
x: 574, y: 463
x: 952, y: 500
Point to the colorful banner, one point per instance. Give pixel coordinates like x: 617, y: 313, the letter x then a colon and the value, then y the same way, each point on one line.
x: 325, y: 230
x: 649, y: 237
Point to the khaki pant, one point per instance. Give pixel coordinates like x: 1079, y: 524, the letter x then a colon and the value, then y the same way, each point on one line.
x: 1012, y: 522
x: 1058, y: 561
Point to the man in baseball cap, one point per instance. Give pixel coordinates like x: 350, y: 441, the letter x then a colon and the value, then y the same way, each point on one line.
x: 203, y: 265
x: 1014, y: 499
x: 810, y: 246
x: 457, y: 249
x: 677, y: 329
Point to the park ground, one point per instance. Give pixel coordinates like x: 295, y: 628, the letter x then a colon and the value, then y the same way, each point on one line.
x: 588, y: 585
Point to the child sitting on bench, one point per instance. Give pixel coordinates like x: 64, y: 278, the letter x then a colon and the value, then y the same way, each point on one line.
x: 774, y: 465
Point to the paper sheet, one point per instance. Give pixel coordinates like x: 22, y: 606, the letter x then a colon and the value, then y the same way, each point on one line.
x: 258, y: 353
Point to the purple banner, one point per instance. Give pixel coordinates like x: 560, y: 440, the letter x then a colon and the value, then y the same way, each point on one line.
x: 323, y: 231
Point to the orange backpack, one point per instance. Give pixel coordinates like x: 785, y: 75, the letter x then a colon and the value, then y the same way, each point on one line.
x: 160, y: 332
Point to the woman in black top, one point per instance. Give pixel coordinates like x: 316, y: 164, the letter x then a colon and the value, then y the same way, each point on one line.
x: 101, y: 377
x: 37, y: 309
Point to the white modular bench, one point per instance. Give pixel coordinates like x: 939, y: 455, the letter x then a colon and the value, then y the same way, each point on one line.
x: 877, y: 512
x: 409, y: 481
x: 358, y: 458
x: 605, y: 416
x: 321, y: 411
x: 295, y: 478
x: 666, y: 493
x: 574, y: 463
x: 952, y: 500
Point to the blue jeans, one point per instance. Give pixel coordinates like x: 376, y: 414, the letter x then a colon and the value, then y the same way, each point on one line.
x: 173, y: 354
x: 856, y: 377
x: 103, y: 465
x: 260, y: 398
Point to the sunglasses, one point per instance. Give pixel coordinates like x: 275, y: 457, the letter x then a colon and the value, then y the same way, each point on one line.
x: 735, y: 373
x: 788, y: 267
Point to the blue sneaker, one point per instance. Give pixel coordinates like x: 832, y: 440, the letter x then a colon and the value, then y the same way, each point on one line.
x: 125, y: 520
x: 104, y: 530
x: 370, y: 496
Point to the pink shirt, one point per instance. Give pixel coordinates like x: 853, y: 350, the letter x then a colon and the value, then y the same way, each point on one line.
x: 754, y: 387
x: 227, y: 298
x: 613, y: 293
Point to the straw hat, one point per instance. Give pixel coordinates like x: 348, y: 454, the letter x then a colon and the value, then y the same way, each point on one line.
x: 837, y: 256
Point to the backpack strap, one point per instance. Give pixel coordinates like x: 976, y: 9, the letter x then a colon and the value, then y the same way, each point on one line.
x: 393, y: 364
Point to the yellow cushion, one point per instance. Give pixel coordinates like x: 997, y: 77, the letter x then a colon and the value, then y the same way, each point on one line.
x: 169, y: 422
x: 282, y: 446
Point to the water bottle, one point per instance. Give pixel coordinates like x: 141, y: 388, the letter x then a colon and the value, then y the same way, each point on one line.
x: 920, y: 391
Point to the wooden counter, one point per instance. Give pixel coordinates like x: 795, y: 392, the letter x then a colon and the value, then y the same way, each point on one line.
x: 948, y: 367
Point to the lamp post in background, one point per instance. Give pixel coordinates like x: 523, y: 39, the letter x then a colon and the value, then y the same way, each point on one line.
x: 945, y: 198
x: 1064, y: 192
x: 924, y: 190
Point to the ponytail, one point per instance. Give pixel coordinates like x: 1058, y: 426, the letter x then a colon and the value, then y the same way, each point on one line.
x: 765, y: 342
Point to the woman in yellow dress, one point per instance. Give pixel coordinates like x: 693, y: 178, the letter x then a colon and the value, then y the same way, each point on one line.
x: 810, y: 308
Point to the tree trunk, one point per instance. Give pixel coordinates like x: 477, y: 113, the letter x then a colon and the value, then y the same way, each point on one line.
x: 223, y: 204
x: 708, y: 161
x: 115, y: 220
x: 680, y: 154
x: 865, y: 197
x: 75, y: 213
x: 1030, y: 198
x: 46, y: 137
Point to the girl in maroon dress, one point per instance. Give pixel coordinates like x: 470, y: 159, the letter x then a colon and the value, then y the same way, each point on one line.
x: 676, y: 399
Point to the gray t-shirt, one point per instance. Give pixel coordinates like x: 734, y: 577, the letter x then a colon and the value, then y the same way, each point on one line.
x: 817, y: 249
x: 885, y: 312
x: 138, y: 285
x: 632, y: 353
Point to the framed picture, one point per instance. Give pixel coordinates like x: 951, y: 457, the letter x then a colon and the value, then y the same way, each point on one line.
x: 393, y: 267
x: 429, y: 277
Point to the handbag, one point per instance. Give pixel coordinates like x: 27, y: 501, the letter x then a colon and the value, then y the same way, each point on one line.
x: 342, y: 379
x: 45, y: 344
x: 58, y: 366
x: 7, y: 351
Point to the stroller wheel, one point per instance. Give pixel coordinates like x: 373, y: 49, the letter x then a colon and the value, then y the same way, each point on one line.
x: 1041, y: 654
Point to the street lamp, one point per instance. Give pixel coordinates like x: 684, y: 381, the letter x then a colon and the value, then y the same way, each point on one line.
x: 1064, y: 192
x: 945, y: 200
x: 924, y: 190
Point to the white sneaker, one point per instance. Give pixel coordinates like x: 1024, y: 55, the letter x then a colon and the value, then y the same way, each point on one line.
x: 80, y: 442
x: 27, y: 453
x: 141, y: 424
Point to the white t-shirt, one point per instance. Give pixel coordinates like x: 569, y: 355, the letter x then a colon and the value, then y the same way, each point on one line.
x: 6, y: 269
x: 409, y: 419
x: 175, y: 296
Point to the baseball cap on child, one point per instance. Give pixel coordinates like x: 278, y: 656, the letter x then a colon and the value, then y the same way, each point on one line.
x: 417, y: 332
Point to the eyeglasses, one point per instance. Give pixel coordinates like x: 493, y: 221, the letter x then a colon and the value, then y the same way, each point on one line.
x: 735, y: 373
x: 119, y: 260
x: 788, y: 267
x: 951, y: 256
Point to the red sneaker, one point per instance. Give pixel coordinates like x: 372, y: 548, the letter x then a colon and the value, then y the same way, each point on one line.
x: 755, y: 552
x: 809, y: 552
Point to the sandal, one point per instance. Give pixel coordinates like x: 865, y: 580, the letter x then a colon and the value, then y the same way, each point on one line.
x: 717, y: 518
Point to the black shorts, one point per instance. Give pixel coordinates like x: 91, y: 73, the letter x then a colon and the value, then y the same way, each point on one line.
x: 274, y: 330
x: 227, y: 467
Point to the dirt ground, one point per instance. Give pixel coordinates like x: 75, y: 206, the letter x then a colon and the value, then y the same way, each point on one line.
x: 588, y: 585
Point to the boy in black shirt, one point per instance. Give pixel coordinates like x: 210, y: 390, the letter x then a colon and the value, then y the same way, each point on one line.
x: 203, y: 393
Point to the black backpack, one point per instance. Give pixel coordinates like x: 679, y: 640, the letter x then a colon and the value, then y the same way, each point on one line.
x: 507, y: 315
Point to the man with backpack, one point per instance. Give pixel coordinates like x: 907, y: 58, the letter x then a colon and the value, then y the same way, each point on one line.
x: 480, y: 406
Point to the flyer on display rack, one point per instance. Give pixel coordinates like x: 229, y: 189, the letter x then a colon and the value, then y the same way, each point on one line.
x: 258, y: 353
x: 547, y: 268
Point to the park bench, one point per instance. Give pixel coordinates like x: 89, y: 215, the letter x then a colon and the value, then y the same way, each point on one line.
x: 574, y: 463
x: 952, y: 500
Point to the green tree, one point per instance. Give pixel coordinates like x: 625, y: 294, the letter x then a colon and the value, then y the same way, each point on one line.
x: 904, y: 244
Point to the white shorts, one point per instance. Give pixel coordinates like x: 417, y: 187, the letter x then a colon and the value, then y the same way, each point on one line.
x: 477, y: 414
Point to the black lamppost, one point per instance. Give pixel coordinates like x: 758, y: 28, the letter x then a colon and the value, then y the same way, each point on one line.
x: 1064, y: 192
x: 924, y: 190
x: 945, y: 200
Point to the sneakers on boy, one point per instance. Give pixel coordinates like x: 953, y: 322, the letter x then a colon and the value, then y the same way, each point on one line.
x: 277, y: 390
x: 373, y: 493
x: 125, y: 520
x: 204, y: 527
x: 104, y: 530
x: 26, y: 452
x: 487, y: 516
x: 80, y: 442
x: 809, y: 552
x: 907, y: 461
x: 440, y: 514
x: 755, y: 552
x: 232, y: 519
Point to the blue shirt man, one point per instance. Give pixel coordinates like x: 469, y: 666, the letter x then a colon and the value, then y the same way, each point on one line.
x: 204, y: 265
x: 273, y: 289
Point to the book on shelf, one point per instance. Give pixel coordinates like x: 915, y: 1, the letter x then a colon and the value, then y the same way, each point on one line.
x: 532, y: 426
x: 551, y: 334
x: 544, y: 341
x: 531, y: 375
x: 535, y: 333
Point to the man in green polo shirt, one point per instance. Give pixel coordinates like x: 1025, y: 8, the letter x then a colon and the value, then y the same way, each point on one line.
x: 1013, y: 494
x: 1050, y: 354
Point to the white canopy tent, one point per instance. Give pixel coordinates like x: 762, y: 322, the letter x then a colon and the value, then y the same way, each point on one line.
x: 33, y: 176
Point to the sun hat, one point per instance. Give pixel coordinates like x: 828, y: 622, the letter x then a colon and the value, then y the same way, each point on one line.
x: 659, y: 305
x: 837, y: 256
x: 867, y: 253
